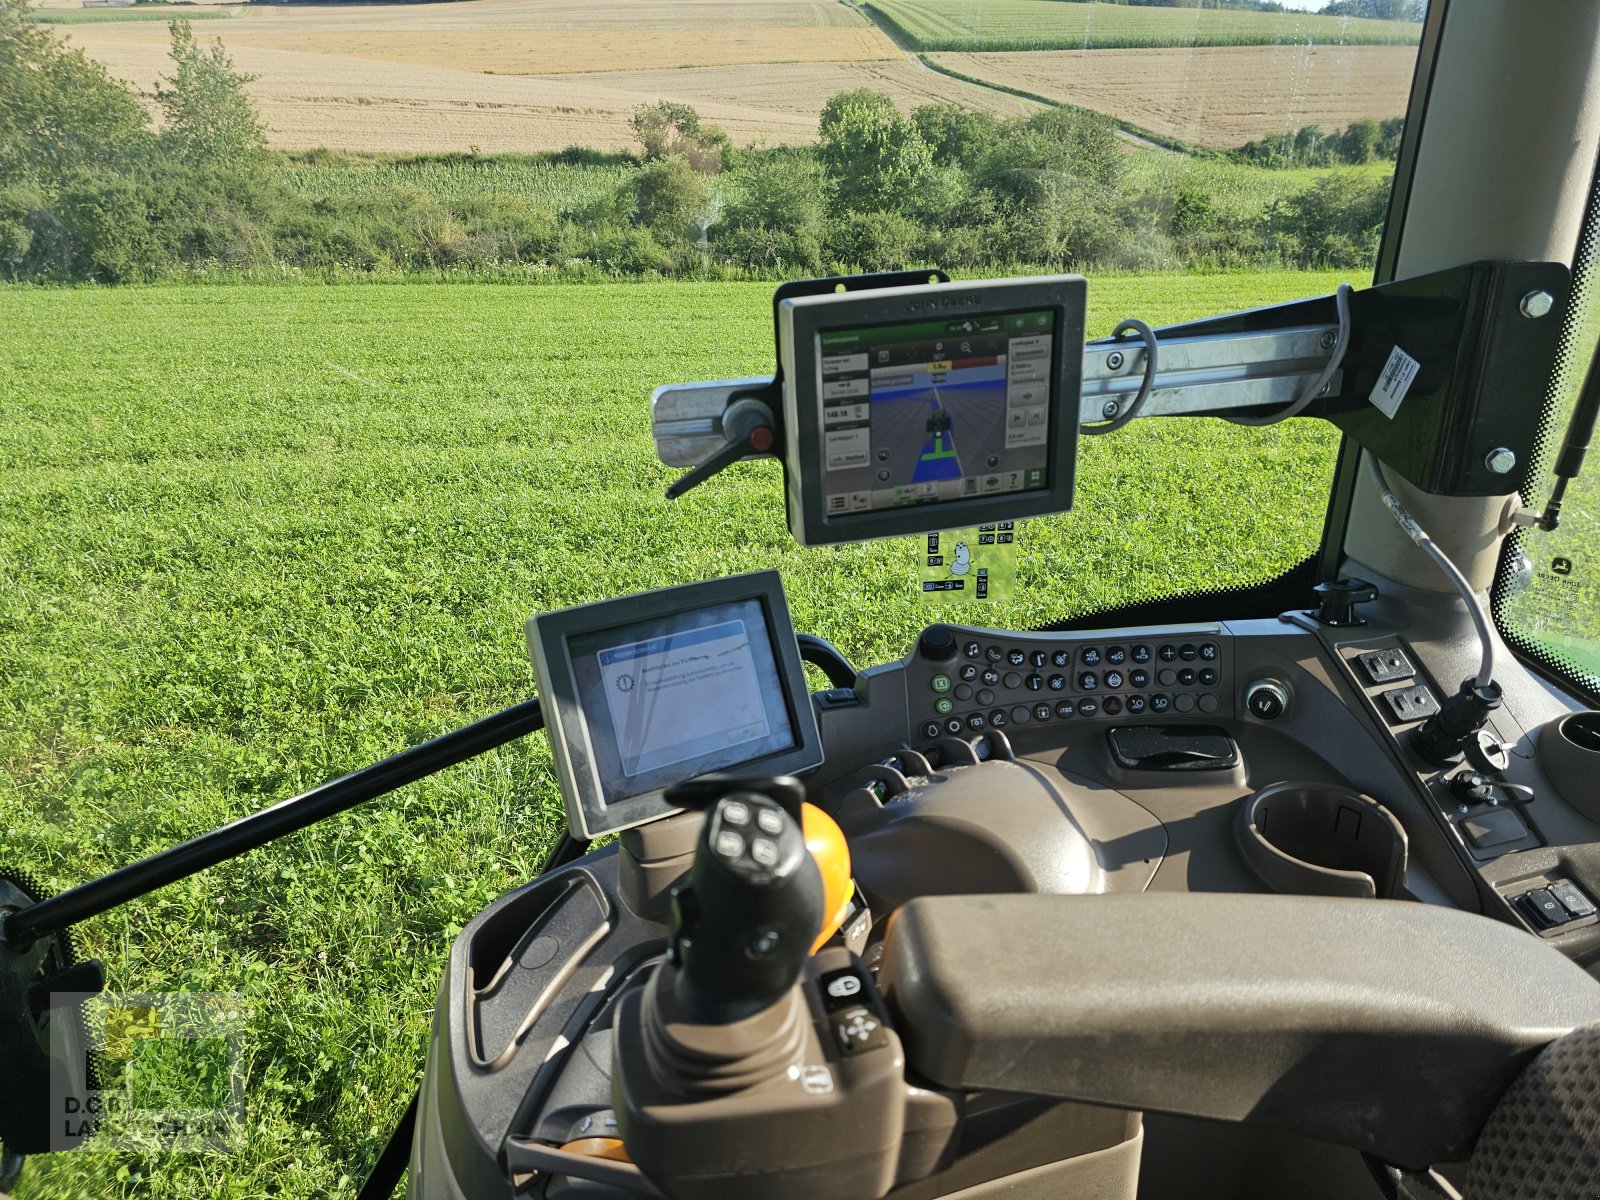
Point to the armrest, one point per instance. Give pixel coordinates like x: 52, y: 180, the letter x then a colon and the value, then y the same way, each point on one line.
x: 1389, y: 1026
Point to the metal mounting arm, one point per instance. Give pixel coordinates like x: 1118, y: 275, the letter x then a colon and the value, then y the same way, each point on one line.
x: 1434, y: 378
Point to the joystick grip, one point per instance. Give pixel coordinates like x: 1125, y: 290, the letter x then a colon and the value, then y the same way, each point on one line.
x: 745, y: 920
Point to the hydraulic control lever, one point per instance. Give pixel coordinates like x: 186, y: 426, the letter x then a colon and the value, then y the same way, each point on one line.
x: 748, y: 428
x: 744, y: 922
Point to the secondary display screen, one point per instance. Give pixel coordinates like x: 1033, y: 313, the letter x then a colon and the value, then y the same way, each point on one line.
x: 678, y: 696
x: 929, y: 411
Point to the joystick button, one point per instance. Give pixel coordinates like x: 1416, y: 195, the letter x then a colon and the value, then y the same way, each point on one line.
x: 770, y: 822
x: 729, y: 844
x: 736, y: 813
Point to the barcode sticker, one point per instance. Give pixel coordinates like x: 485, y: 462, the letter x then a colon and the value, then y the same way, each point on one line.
x: 1395, y: 381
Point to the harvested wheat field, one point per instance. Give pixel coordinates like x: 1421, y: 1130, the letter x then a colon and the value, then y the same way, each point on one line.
x: 344, y: 101
x: 529, y: 75
x: 1211, y: 96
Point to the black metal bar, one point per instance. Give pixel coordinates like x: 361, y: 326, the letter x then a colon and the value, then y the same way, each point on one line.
x: 828, y: 658
x: 395, y: 1157
x: 567, y: 849
x: 286, y: 817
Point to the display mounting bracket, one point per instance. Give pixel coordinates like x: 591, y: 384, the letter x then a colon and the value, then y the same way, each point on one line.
x: 1482, y: 337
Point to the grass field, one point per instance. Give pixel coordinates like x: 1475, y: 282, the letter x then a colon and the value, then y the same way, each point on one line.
x: 252, y: 537
x: 1199, y: 96
x: 962, y: 25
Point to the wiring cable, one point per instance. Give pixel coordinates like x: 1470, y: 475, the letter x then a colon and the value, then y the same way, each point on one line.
x: 1341, y: 300
x: 1131, y: 325
x: 1419, y: 535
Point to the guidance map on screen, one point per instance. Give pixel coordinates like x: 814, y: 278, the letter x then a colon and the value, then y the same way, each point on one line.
x: 928, y: 411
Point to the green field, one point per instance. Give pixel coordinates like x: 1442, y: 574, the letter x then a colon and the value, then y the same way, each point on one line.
x: 99, y: 16
x: 453, y: 181
x: 254, y: 536
x: 962, y: 25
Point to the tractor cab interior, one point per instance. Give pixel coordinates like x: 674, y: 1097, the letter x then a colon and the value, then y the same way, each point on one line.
x: 1292, y: 890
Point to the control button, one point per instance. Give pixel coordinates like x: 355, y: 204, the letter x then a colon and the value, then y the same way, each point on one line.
x: 932, y: 729
x: 1137, y: 705
x: 1186, y: 677
x: 1571, y: 897
x: 1034, y: 682
x: 1208, y: 677
x: 1183, y: 702
x: 1138, y: 678
x: 1494, y: 827
x: 729, y: 844
x: 944, y: 705
x: 1088, y: 681
x: 840, y: 989
x: 1168, y: 652
x: 1167, y: 677
x: 1386, y: 666
x: 1545, y: 910
x: 770, y: 822
x: 1020, y: 715
x: 972, y: 649
x: 1160, y: 703
x: 1016, y: 657
x: 1266, y: 699
x: 1208, y: 651
x: 1188, y: 652
x: 1060, y: 658
x: 1038, y: 658
x: 963, y: 691
x: 937, y: 643
x: 953, y: 726
x: 1088, y: 708
x: 1113, y: 679
x: 1058, y: 683
x: 1065, y: 709
x: 1209, y: 702
x: 735, y: 812
x: 940, y: 683
x: 1116, y: 655
x: 1090, y: 657
x: 977, y: 721
x: 1013, y: 680
x: 994, y: 654
x: 1113, y: 706
x: 1043, y: 712
x: 857, y: 1030
x: 998, y: 719
x: 991, y: 678
x: 764, y: 851
x: 985, y: 696
x: 969, y: 672
x: 1140, y: 653
x: 1411, y: 703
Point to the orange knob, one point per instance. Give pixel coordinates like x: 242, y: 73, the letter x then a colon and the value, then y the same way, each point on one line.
x: 831, y: 852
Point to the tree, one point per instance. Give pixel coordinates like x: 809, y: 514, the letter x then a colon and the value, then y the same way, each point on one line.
x: 958, y: 137
x: 60, y: 112
x: 875, y: 157
x: 666, y: 129
x: 668, y: 195
x: 209, y: 117
x: 1059, y: 143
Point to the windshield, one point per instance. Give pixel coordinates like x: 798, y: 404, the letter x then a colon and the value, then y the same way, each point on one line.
x: 329, y: 332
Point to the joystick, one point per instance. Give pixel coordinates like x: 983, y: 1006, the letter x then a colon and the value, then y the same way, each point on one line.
x: 744, y: 921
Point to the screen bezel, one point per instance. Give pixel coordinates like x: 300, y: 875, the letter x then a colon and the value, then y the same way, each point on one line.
x: 550, y: 639
x: 803, y: 319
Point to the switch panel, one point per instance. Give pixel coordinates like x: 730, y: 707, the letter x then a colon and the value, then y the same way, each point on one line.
x: 1411, y: 703
x: 1387, y: 665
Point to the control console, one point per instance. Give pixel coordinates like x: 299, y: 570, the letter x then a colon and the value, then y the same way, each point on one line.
x: 964, y: 680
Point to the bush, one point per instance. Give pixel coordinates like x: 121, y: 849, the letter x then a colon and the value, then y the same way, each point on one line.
x: 874, y: 156
x: 667, y: 197
x: 875, y: 241
x: 209, y: 118
x: 958, y: 137
x: 1336, y: 222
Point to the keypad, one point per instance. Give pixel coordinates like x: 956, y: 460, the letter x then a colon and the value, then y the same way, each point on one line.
x: 1010, y: 684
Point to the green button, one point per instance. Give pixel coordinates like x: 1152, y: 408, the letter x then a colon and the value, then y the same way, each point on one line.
x: 941, y: 683
x: 943, y: 705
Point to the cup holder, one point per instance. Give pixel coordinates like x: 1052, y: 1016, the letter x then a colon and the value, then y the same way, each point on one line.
x: 1569, y: 752
x: 1317, y: 839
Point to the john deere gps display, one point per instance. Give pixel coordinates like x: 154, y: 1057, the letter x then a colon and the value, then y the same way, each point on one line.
x: 911, y: 409
x: 647, y: 691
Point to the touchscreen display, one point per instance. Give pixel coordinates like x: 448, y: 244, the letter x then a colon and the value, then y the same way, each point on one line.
x: 675, y: 697
x: 923, y: 412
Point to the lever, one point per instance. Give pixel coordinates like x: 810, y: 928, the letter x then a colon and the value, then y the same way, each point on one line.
x: 744, y: 922
x: 1478, y: 787
x: 748, y: 427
